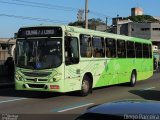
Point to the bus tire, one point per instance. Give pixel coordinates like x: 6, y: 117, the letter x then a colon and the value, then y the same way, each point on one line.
x: 86, y: 86
x: 133, y: 79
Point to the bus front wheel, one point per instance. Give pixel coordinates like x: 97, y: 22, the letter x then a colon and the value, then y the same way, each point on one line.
x: 133, y: 79
x: 86, y: 86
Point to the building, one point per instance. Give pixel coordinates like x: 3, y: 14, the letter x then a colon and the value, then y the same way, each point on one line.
x: 141, y: 30
x: 146, y: 30
x: 5, y: 47
x: 157, y: 17
x: 102, y: 28
x: 136, y: 11
x: 117, y: 24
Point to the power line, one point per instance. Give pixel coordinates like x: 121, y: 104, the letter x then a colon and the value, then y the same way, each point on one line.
x: 50, y: 6
x: 69, y: 8
x: 32, y: 18
x: 32, y: 5
x: 100, y: 14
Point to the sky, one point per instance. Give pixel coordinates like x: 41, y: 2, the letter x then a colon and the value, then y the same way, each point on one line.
x: 18, y: 13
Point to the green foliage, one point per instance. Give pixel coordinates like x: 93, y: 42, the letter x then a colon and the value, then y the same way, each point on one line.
x: 77, y: 23
x: 92, y: 23
x: 142, y: 18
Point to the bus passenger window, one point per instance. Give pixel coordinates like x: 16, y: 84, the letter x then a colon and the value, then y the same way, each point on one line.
x: 71, y: 50
x: 130, y: 49
x: 98, y: 47
x: 110, y: 48
x: 85, y: 46
x: 145, y: 51
x: 121, y: 49
x: 138, y: 48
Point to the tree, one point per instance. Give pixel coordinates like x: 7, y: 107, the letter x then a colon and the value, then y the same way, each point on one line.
x: 142, y: 18
x: 92, y: 23
x: 80, y: 15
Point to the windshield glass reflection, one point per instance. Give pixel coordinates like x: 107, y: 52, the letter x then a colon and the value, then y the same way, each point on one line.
x: 39, y: 54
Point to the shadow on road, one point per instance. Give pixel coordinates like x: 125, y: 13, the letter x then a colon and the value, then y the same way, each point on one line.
x: 11, y: 92
x: 147, y: 94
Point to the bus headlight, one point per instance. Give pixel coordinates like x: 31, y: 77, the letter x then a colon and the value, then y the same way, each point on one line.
x: 18, y: 77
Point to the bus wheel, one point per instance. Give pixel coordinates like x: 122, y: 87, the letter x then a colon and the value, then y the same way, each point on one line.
x: 133, y: 79
x: 86, y: 86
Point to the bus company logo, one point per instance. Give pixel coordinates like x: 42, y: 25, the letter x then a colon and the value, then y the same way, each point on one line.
x: 36, y: 79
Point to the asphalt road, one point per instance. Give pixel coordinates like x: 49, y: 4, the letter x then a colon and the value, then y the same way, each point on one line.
x: 27, y: 105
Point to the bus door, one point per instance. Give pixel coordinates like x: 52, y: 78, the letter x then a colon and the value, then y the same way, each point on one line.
x: 72, y: 67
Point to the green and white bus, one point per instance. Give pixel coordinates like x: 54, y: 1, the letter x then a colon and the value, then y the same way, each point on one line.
x: 65, y: 58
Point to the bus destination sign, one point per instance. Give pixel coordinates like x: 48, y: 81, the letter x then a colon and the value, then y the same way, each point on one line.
x: 40, y: 32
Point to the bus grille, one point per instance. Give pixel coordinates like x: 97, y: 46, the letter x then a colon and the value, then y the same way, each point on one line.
x: 36, y: 85
x: 38, y: 80
x: 36, y: 74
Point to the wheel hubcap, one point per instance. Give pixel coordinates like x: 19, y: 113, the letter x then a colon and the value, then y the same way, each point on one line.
x: 85, y: 86
x: 133, y: 78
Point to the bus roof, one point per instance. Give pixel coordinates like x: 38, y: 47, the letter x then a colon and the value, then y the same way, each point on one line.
x: 95, y: 33
x: 105, y: 34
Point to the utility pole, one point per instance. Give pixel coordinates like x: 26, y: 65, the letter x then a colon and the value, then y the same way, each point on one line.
x: 117, y: 23
x: 106, y: 24
x: 86, y: 14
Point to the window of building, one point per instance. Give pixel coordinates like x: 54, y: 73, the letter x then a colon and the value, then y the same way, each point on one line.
x: 130, y: 49
x: 156, y: 29
x: 85, y: 45
x: 145, y: 29
x: 110, y: 47
x: 98, y: 47
x: 121, y: 49
x: 4, y: 46
x: 71, y: 50
x: 138, y: 49
x: 145, y: 51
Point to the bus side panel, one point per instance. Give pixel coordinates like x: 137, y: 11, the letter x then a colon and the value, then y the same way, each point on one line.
x: 146, y: 69
x: 95, y: 68
x: 109, y: 75
x: 126, y: 67
x: 100, y: 76
x: 72, y: 78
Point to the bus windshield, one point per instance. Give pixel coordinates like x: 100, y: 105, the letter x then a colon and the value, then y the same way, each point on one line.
x: 39, y: 53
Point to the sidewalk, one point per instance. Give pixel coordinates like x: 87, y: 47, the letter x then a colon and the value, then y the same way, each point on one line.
x: 5, y: 82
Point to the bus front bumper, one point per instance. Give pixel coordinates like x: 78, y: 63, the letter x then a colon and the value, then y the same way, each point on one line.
x: 50, y: 87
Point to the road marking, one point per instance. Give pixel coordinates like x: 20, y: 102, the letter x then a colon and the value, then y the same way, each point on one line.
x: 76, y: 107
x: 6, y: 101
x: 150, y: 88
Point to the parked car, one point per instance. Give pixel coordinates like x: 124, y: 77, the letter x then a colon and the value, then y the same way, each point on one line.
x: 124, y: 110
